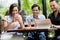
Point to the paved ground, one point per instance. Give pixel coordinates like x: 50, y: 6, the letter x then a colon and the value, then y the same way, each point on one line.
x: 15, y: 37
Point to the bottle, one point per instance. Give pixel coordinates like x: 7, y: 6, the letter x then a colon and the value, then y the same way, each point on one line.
x: 32, y: 23
x: 25, y: 22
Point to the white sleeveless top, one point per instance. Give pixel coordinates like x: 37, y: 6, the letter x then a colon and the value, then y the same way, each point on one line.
x: 14, y: 25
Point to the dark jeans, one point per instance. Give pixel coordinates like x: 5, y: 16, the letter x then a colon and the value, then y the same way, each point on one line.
x: 57, y: 34
x: 36, y: 36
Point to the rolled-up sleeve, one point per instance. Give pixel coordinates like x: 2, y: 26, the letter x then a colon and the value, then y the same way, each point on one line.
x: 42, y: 17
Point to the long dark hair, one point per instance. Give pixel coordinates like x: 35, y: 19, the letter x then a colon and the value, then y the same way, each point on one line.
x: 11, y: 8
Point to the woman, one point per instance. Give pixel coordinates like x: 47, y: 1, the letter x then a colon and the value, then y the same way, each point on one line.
x: 13, y: 20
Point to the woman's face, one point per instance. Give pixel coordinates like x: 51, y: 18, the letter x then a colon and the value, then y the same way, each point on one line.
x: 15, y: 11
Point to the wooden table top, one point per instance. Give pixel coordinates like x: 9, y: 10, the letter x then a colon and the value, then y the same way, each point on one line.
x: 31, y: 29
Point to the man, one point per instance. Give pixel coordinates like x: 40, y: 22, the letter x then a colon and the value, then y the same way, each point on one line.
x: 55, y: 15
x: 23, y: 14
x: 37, y: 16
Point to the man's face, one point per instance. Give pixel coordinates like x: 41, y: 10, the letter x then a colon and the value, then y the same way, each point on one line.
x: 35, y: 11
x: 54, y: 5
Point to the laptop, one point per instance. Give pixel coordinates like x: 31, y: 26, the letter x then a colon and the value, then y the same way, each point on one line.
x: 43, y: 23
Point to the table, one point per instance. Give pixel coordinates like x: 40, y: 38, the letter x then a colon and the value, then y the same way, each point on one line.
x: 32, y: 29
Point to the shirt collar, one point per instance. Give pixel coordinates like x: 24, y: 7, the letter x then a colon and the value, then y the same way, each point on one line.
x: 37, y: 18
x: 58, y: 13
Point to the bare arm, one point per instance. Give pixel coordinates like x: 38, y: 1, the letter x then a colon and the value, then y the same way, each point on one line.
x: 21, y: 23
x: 19, y: 19
x: 8, y: 24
